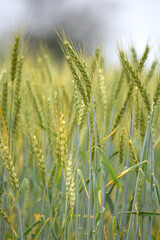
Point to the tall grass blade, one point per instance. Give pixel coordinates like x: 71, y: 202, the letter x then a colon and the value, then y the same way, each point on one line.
x: 110, y: 168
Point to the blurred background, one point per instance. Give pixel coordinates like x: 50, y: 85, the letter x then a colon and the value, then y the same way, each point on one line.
x: 98, y: 22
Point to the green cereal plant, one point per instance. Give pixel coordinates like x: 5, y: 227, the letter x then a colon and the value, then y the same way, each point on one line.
x: 92, y: 132
x: 134, y: 57
x: 70, y: 186
x: 57, y: 105
x: 48, y: 66
x: 132, y: 154
x: 129, y: 70
x: 61, y: 148
x: 16, y: 116
x: 81, y: 113
x: 139, y: 194
x: 17, y: 96
x: 119, y: 86
x: 81, y: 67
x: 49, y: 122
x: 8, y: 162
x: 122, y: 111
x: 137, y: 110
x: 27, y: 198
x: 4, y: 103
x: 142, y: 124
x: 94, y: 62
x: 52, y: 175
x: 151, y: 71
x: 18, y: 82
x: 3, y: 75
x: 77, y: 80
x: 80, y: 106
x: 7, y: 220
x: 77, y: 101
x: 40, y: 158
x: 2, y: 80
x: 156, y: 95
x: 36, y: 104
x: 143, y: 59
x: 53, y: 128
x: 103, y: 89
x: 121, y: 149
x: 101, y: 62
x: 14, y: 61
x: 29, y: 139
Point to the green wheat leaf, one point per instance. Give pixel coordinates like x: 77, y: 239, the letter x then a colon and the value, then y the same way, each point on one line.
x: 83, y: 182
x: 110, y: 168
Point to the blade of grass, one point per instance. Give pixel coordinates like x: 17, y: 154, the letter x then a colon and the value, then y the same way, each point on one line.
x: 94, y: 175
x: 83, y: 182
x: 123, y: 173
x: 144, y: 224
x: 20, y: 220
x: 77, y: 198
x: 90, y: 182
x: 110, y: 134
x: 44, y: 225
x: 29, y: 229
x: 152, y: 182
x: 136, y: 187
x: 110, y: 168
x: 123, y: 220
x: 141, y: 213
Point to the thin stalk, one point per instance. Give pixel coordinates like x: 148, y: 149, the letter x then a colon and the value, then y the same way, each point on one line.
x: 33, y: 198
x: 152, y: 182
x: 95, y: 167
x: 136, y: 188
x: 123, y: 219
x: 102, y: 202
x: 156, y: 195
x: 52, y: 201
x: 135, y: 231
x: 143, y: 230
x: 37, y: 237
x: 116, y: 210
x: 42, y: 209
x: 9, y: 140
x: 20, y: 220
x: 109, y: 140
x: 53, y: 188
x: 77, y: 195
x: 4, y: 207
x: 69, y: 229
x: 10, y: 120
x: 30, y: 228
x: 133, y: 207
x: 103, y: 183
x: 90, y: 181
x: 61, y: 208
x: 82, y: 229
x: 50, y: 214
x: 94, y: 207
x: 65, y: 217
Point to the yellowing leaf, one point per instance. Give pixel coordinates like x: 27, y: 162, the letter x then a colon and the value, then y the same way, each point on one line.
x: 110, y: 169
x: 110, y: 134
x: 99, y: 197
x: 83, y: 182
x: 125, y: 172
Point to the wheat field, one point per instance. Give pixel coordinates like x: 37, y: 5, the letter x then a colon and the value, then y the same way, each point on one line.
x: 79, y: 145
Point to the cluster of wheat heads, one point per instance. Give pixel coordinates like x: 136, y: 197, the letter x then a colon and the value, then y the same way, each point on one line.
x: 79, y: 146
